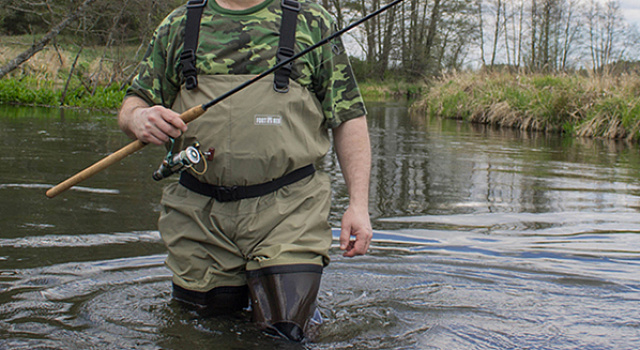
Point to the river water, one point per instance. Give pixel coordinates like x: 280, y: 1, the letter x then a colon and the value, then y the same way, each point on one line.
x: 484, y: 239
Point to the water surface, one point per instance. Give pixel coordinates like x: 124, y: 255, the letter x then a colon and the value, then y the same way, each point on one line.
x: 485, y: 239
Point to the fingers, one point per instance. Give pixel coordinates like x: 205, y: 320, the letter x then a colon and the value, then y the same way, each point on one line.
x: 157, y: 124
x: 174, y: 119
x: 357, y: 246
x: 345, y: 238
x: 357, y: 226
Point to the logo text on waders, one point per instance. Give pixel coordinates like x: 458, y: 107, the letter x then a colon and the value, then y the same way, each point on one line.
x: 265, y: 119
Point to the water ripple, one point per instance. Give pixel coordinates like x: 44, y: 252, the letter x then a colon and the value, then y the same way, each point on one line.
x: 492, y: 219
x: 74, y: 188
x: 88, y: 240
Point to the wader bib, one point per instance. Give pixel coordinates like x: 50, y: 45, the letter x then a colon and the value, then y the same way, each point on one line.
x: 274, y: 245
x: 258, y: 134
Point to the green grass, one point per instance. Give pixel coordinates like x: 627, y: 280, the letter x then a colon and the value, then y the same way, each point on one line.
x: 386, y: 90
x: 28, y: 91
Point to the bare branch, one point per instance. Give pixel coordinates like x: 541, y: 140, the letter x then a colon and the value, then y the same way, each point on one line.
x: 35, y: 48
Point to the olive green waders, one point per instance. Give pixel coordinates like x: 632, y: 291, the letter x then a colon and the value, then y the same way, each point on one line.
x: 271, y: 247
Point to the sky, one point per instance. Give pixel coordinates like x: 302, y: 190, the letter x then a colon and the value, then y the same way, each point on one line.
x: 631, y: 11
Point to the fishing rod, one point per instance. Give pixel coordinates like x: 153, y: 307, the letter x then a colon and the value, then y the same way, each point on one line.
x: 195, y: 112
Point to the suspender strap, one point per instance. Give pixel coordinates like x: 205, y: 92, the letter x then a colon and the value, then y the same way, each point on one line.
x: 290, y: 10
x: 235, y: 193
x: 191, y: 33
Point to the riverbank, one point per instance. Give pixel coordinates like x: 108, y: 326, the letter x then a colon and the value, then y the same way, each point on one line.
x: 28, y: 90
x: 67, y: 75
x: 578, y: 105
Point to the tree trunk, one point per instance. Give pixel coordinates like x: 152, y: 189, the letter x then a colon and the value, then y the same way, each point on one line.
x: 546, y: 34
x: 496, y: 34
x: 386, y: 41
x: 505, y: 27
x: 520, y: 35
x: 370, y: 33
x: 481, y: 30
x: 433, y: 28
x: 534, y: 14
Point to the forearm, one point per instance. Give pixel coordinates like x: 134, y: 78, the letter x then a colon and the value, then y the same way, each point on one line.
x: 353, y: 148
x: 351, y: 141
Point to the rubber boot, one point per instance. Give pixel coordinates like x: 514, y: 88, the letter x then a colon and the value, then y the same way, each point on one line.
x: 218, y: 301
x: 283, y: 298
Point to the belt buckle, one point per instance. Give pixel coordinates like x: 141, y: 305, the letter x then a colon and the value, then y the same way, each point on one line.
x: 226, y: 194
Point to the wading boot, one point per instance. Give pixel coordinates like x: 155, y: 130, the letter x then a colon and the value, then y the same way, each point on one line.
x: 283, y: 298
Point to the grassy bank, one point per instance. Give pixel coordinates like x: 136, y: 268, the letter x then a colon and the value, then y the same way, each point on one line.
x: 66, y: 75
x: 31, y: 91
x: 381, y: 91
x: 590, y: 106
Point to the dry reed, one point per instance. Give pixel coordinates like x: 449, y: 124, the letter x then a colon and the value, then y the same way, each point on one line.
x: 580, y: 105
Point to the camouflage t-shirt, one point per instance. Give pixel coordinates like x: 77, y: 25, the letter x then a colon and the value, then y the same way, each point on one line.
x: 245, y: 42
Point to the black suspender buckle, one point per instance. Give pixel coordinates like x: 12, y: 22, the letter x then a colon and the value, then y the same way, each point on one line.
x: 196, y: 3
x: 291, y: 5
x: 195, y: 8
x: 187, y: 55
x: 281, y: 80
x: 188, y: 60
x: 284, y: 53
x: 290, y: 10
x: 191, y: 82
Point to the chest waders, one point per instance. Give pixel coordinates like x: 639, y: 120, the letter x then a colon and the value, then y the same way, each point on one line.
x: 265, y: 137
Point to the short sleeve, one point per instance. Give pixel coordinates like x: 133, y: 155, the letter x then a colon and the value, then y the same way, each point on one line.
x: 157, y: 81
x: 337, y: 88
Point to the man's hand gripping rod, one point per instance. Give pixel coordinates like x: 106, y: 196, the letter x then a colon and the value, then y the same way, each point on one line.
x: 195, y: 112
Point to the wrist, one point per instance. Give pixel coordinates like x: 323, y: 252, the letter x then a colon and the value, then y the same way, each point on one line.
x: 129, y: 113
x: 359, y: 205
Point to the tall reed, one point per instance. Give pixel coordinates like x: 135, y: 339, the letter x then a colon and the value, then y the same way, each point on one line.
x: 581, y: 105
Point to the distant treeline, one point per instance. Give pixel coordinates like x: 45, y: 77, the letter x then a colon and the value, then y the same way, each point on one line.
x: 425, y: 38
x: 103, y: 22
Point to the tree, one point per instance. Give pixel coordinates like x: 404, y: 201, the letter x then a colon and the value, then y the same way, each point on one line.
x: 606, y: 34
x: 496, y: 32
x: 24, y: 56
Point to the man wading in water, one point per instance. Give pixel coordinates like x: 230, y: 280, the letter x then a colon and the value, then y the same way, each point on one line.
x: 253, y: 225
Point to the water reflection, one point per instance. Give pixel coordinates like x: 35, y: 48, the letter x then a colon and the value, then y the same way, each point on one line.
x: 434, y: 166
x: 485, y: 238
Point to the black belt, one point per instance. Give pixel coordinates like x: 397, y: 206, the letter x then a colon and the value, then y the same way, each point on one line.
x: 235, y: 193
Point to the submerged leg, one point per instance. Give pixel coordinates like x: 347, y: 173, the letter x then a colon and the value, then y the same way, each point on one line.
x: 283, y: 298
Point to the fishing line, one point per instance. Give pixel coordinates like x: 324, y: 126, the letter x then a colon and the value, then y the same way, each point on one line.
x: 206, y: 165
